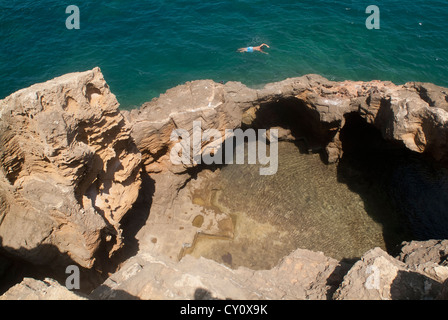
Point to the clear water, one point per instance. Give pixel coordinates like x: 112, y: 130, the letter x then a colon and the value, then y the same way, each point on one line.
x: 304, y: 205
x: 378, y: 195
x: 146, y: 47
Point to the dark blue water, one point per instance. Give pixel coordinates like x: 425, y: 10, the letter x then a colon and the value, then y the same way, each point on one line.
x: 146, y: 47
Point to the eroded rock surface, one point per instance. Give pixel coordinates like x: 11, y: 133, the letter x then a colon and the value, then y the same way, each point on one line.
x: 378, y: 276
x: 413, y: 114
x: 420, y: 252
x: 301, y: 275
x: 69, y: 169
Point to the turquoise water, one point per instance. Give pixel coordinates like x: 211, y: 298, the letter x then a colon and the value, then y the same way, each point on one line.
x: 146, y: 47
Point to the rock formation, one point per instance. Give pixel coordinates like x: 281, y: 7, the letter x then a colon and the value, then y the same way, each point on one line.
x: 72, y: 167
x: 378, y: 276
x: 301, y: 275
x: 413, y: 114
x: 312, y: 108
x: 69, y: 170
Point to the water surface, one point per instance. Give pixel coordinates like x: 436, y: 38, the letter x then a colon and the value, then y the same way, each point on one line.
x: 147, y: 47
x: 304, y: 205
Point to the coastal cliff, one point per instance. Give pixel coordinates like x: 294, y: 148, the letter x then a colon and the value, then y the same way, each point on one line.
x: 77, y: 171
x: 70, y: 170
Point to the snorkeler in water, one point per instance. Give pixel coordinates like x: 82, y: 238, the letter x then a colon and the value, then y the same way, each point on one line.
x: 252, y: 49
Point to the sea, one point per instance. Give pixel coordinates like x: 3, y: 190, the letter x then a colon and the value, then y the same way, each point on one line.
x: 146, y: 47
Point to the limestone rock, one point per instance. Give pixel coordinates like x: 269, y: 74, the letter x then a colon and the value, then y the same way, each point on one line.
x: 301, y: 275
x: 414, y: 114
x: 69, y: 169
x: 434, y: 95
x: 378, y: 276
x: 48, y: 289
x: 178, y: 108
x: 419, y: 252
x: 428, y: 257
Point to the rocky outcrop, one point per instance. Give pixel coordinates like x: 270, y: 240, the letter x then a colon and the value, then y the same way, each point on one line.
x: 378, y: 276
x: 414, y: 114
x: 309, y: 108
x: 178, y: 108
x: 301, y: 275
x: 421, y: 252
x: 69, y: 170
x: 72, y: 164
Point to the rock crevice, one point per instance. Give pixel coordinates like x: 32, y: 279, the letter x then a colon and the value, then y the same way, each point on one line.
x: 70, y: 170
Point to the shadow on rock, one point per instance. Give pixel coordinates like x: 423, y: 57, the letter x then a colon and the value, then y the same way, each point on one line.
x: 410, y: 285
x: 403, y: 190
x: 337, y: 276
x: 203, y: 294
x: 118, y: 295
x: 131, y: 223
x: 13, y: 269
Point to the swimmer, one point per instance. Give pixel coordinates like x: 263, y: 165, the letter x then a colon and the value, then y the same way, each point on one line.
x: 252, y: 49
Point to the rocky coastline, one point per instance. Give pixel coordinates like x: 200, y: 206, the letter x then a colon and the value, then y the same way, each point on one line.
x: 85, y: 183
